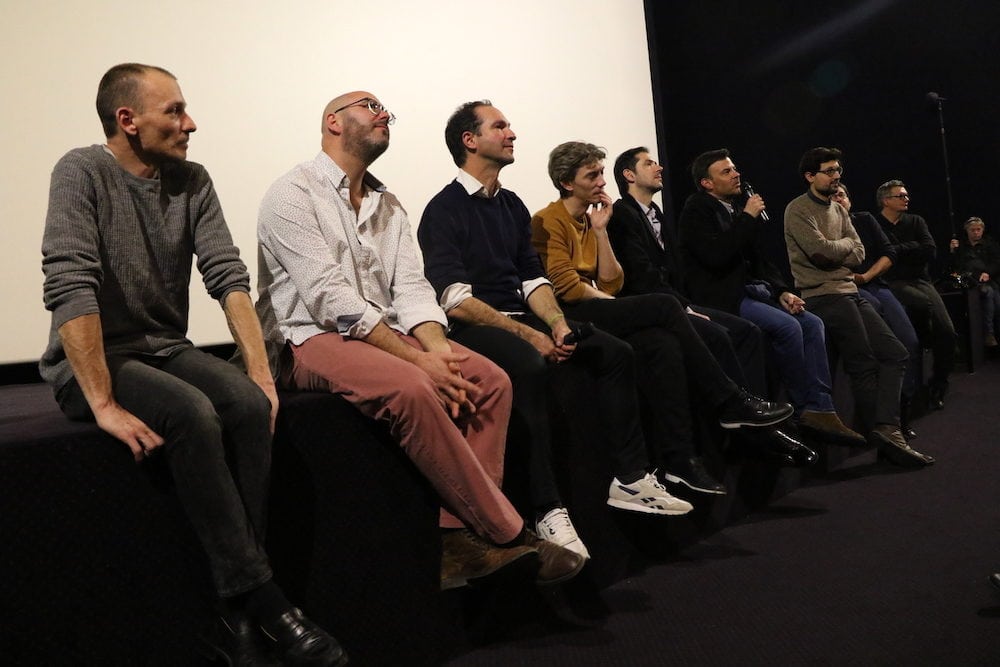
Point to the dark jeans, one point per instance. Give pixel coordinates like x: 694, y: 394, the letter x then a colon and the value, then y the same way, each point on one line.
x: 670, y: 355
x: 927, y: 310
x: 215, y: 423
x: 798, y: 346
x: 888, y: 306
x: 873, y: 357
x: 608, y: 360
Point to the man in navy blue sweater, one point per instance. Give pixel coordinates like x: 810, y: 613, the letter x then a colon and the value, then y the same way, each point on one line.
x: 476, y: 242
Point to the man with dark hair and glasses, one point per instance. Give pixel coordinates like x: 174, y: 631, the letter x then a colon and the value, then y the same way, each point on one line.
x: 343, y: 298
x: 910, y: 280
x: 869, y: 276
x: 824, y: 250
x: 720, y: 228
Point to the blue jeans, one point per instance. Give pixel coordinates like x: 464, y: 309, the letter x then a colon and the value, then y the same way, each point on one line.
x: 207, y: 411
x: 798, y: 349
x: 888, y: 306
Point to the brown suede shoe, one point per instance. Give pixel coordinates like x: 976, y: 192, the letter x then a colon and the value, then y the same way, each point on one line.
x: 557, y: 564
x: 465, y: 557
x: 894, y: 447
x: 827, y: 427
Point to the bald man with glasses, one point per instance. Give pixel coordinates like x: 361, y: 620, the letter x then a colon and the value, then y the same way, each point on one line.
x: 346, y: 308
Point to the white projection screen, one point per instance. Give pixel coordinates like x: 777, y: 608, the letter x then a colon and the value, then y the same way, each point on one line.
x: 257, y: 75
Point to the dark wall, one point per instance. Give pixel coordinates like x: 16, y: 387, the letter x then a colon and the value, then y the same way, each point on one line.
x: 769, y: 79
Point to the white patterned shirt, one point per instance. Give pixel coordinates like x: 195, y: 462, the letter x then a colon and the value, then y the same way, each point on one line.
x: 324, y: 268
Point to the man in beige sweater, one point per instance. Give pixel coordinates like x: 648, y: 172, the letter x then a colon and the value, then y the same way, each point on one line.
x: 823, y: 249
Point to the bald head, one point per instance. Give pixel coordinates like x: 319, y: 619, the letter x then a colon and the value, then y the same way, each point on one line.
x: 339, y: 102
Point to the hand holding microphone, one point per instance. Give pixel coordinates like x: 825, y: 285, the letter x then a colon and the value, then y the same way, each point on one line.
x: 755, y: 202
x: 578, y: 333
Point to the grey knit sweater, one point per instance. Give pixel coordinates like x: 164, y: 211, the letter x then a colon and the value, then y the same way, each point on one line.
x: 122, y: 246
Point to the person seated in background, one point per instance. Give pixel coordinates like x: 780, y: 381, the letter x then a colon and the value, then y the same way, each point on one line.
x: 719, y: 228
x: 476, y: 241
x: 824, y: 251
x: 125, y: 221
x: 645, y: 244
x: 868, y: 276
x: 909, y: 279
x: 343, y: 300
x: 978, y: 256
x: 570, y: 235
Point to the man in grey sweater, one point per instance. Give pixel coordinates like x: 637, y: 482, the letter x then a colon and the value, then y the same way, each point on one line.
x: 124, y: 221
x: 823, y: 249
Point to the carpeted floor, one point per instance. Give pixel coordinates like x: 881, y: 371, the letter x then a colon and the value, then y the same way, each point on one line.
x: 870, y: 565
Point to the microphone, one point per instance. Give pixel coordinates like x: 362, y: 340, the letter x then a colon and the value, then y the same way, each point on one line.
x: 934, y: 98
x: 747, y: 188
x: 578, y: 333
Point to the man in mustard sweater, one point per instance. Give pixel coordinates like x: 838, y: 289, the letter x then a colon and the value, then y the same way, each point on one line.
x: 823, y: 250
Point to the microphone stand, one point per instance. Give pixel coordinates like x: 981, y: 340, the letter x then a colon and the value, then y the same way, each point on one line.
x: 938, y: 100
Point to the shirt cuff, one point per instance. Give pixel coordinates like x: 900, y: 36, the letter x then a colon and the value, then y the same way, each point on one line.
x: 529, y: 286
x: 455, y: 294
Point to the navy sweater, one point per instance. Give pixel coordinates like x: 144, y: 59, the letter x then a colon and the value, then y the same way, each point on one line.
x: 481, y: 242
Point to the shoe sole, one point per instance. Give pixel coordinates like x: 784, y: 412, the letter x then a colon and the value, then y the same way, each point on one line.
x: 674, y: 479
x: 517, y: 568
x: 565, y: 577
x: 755, y: 424
x: 829, y: 438
x: 632, y: 507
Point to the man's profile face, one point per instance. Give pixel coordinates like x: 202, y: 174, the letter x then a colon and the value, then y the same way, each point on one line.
x: 723, y: 180
x: 163, y: 127
x: 898, y: 199
x: 365, y: 135
x: 495, y: 140
x: 648, y: 173
x: 588, y: 183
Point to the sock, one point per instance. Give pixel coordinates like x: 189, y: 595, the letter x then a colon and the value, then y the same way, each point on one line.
x: 266, y: 602
x: 631, y: 477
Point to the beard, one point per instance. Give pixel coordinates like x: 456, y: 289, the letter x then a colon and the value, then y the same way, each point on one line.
x: 359, y: 142
x: 829, y: 190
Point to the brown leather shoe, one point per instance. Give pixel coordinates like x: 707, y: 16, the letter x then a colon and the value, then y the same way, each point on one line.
x: 466, y: 557
x: 826, y: 426
x: 557, y: 564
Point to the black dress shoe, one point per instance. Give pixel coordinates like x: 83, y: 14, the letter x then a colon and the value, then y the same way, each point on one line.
x: 995, y: 579
x: 745, y: 409
x: 299, y: 641
x: 692, y: 474
x: 908, y: 433
x: 234, y: 640
x: 783, y: 443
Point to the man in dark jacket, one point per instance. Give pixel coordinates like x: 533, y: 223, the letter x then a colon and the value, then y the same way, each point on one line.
x: 724, y: 269
x: 910, y: 280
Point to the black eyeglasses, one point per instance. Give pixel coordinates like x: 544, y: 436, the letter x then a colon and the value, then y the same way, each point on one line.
x: 373, y: 105
x: 831, y: 171
x: 899, y: 196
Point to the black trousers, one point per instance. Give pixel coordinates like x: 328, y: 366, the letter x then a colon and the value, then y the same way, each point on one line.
x: 737, y: 344
x: 932, y: 322
x: 215, y: 423
x: 607, y: 360
x: 670, y: 356
x: 873, y: 357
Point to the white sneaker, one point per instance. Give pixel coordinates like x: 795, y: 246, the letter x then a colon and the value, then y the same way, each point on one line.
x: 556, y: 527
x: 646, y: 495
